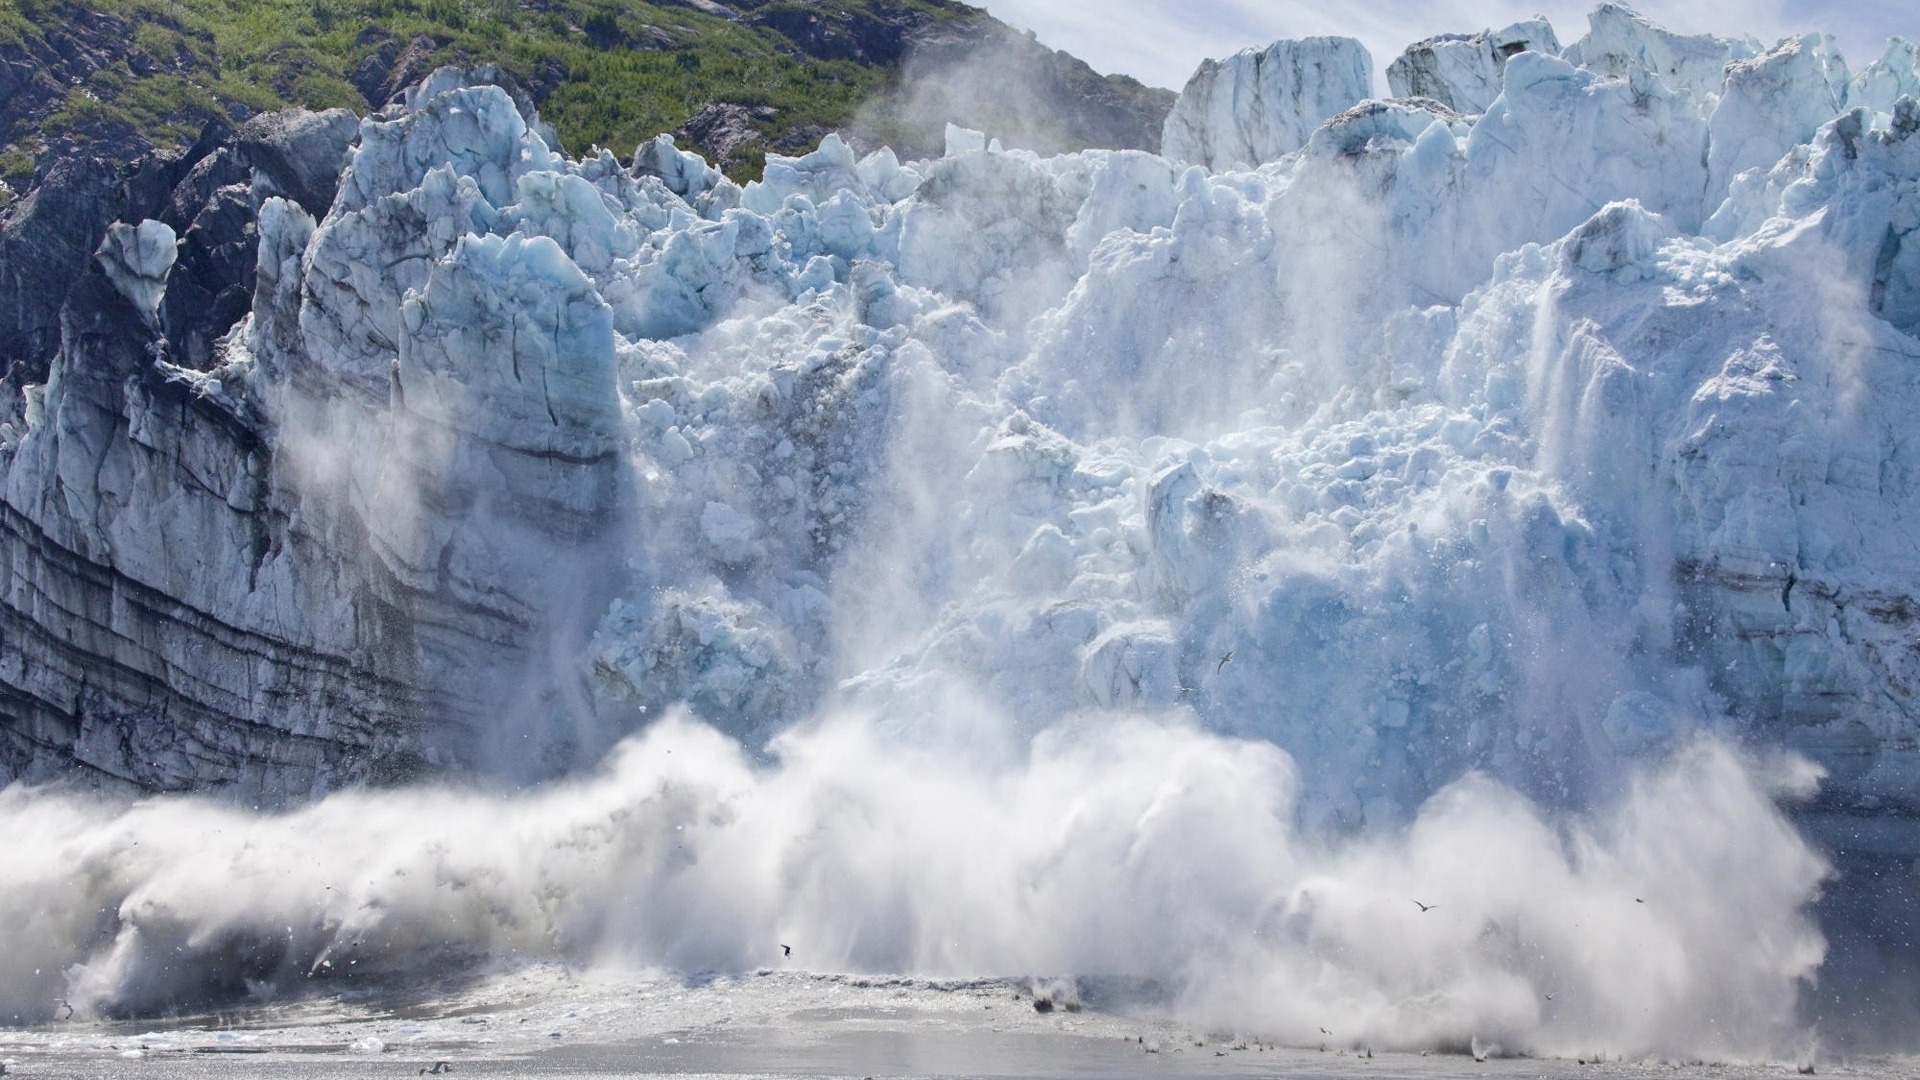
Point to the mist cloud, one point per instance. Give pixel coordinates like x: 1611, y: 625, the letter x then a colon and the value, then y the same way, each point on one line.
x: 1673, y: 921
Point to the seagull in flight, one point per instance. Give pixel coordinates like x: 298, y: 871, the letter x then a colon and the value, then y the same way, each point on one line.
x: 1224, y: 661
x: 786, y: 950
x: 1424, y: 908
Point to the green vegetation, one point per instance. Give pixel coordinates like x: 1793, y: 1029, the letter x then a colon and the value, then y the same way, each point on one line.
x: 611, y: 72
x: 16, y: 173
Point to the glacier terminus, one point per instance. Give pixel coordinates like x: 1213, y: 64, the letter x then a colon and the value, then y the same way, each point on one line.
x: 1163, y: 568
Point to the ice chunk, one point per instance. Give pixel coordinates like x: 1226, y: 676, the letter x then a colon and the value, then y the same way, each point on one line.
x: 828, y: 169
x: 1131, y: 666
x: 1620, y: 236
x: 509, y: 341
x: 1620, y: 41
x: 962, y: 140
x: 1376, y: 125
x: 136, y: 259
x: 478, y: 132
x: 1888, y: 79
x: 1560, y: 143
x: 883, y: 175
x: 587, y: 223
x: 1261, y: 104
x: 1839, y: 210
x: 730, y: 532
x: 1770, y: 104
x: 686, y: 175
x: 1462, y: 71
x: 985, y: 228
x: 360, y: 264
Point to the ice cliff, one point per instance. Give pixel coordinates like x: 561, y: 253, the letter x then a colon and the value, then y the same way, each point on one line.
x: 1462, y: 71
x: 1263, y: 103
x: 1528, y: 424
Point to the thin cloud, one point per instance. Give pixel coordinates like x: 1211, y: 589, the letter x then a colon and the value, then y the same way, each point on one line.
x: 1160, y: 42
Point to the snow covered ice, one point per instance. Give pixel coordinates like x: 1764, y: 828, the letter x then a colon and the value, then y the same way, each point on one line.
x: 1102, y: 564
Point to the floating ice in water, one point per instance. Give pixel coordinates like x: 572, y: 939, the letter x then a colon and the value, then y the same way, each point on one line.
x: 1138, y: 569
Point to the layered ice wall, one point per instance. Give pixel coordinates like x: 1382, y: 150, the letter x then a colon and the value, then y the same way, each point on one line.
x: 325, y: 559
x: 1529, y: 446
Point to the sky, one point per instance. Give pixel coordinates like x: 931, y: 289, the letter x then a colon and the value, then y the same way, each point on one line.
x: 1160, y: 42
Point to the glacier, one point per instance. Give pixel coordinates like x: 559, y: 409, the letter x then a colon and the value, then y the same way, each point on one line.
x: 1506, y: 482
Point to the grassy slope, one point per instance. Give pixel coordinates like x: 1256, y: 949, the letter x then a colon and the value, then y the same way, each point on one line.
x: 631, y: 69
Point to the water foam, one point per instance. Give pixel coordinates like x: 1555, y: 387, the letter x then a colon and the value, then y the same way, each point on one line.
x: 1673, y: 921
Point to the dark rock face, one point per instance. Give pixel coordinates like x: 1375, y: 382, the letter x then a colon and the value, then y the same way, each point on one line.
x: 825, y: 32
x: 998, y: 80
x: 370, y: 78
x: 36, y: 71
x: 724, y: 130
x: 300, y: 153
x: 392, y: 69
x: 211, y: 286
x: 48, y: 238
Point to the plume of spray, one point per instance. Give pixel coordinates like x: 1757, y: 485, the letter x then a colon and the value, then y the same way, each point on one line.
x: 1010, y: 86
x: 1672, y: 921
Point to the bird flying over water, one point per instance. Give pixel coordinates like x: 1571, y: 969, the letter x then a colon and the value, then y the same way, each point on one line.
x: 1224, y: 661
x: 1424, y: 907
x: 786, y: 950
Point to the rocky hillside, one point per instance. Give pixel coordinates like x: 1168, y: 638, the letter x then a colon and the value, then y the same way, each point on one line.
x: 105, y: 107
x: 736, y: 79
